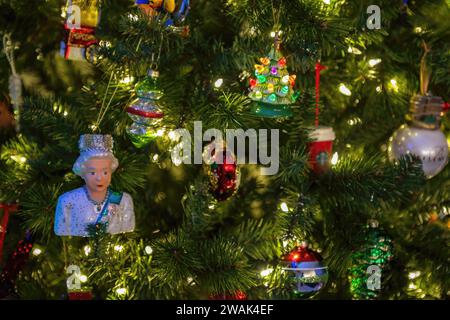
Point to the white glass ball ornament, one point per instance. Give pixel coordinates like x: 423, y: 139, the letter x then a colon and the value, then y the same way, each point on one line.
x: 429, y: 145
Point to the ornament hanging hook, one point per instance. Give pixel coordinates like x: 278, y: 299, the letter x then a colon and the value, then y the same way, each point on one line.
x: 425, y: 72
x: 276, y: 13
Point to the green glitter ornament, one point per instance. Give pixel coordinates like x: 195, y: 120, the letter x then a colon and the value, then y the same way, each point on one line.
x: 370, y: 263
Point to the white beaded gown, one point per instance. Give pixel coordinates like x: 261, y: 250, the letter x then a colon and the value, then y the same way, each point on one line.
x: 74, y: 213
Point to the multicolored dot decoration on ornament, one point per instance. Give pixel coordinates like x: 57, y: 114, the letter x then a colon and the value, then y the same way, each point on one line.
x: 273, y: 88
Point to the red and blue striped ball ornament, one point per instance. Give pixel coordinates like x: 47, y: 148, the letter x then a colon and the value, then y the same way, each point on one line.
x: 305, y: 272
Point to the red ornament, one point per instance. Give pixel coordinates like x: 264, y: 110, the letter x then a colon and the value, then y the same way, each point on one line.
x: 78, y: 43
x: 302, y: 254
x: 80, y: 295
x: 252, y: 82
x: 81, y: 37
x: 321, y: 148
x: 306, y: 272
x: 16, y: 262
x: 7, y: 209
x: 237, y: 295
x: 292, y: 80
x: 222, y: 170
x: 282, y: 62
x: 446, y: 107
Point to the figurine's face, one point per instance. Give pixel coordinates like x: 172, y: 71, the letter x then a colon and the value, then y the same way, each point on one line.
x: 97, y: 174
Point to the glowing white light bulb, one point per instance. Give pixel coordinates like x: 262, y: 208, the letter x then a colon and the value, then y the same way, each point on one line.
x: 133, y: 17
x: 127, y: 80
x: 148, y: 250
x: 394, y: 84
x: 121, y: 291
x: 218, y: 83
x: 373, y: 62
x: 274, y: 33
x: 344, y: 90
x: 335, y: 159
x: 118, y: 248
x: 87, y: 250
x: 37, y: 251
x: 284, y: 207
x: 354, y: 50
x: 266, y: 272
x: 83, y: 278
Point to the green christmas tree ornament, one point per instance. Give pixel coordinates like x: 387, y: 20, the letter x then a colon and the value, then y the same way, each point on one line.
x: 370, y: 263
x: 272, y: 91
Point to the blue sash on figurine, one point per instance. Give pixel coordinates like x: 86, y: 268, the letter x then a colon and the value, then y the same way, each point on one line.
x: 114, y: 198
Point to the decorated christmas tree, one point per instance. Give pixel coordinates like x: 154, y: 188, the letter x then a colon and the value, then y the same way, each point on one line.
x: 166, y: 150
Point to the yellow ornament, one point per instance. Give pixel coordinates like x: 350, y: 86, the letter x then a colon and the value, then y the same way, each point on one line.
x: 150, y: 8
x: 265, y: 61
x: 89, y: 13
x: 259, y: 68
x: 270, y: 87
x: 292, y: 79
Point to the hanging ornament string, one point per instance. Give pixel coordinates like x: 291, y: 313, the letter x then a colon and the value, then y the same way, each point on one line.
x: 276, y: 20
x: 425, y: 72
x: 277, y: 41
x: 7, y: 210
x: 319, y: 68
x: 104, y: 108
x: 155, y: 62
x: 425, y: 75
x: 15, y: 84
